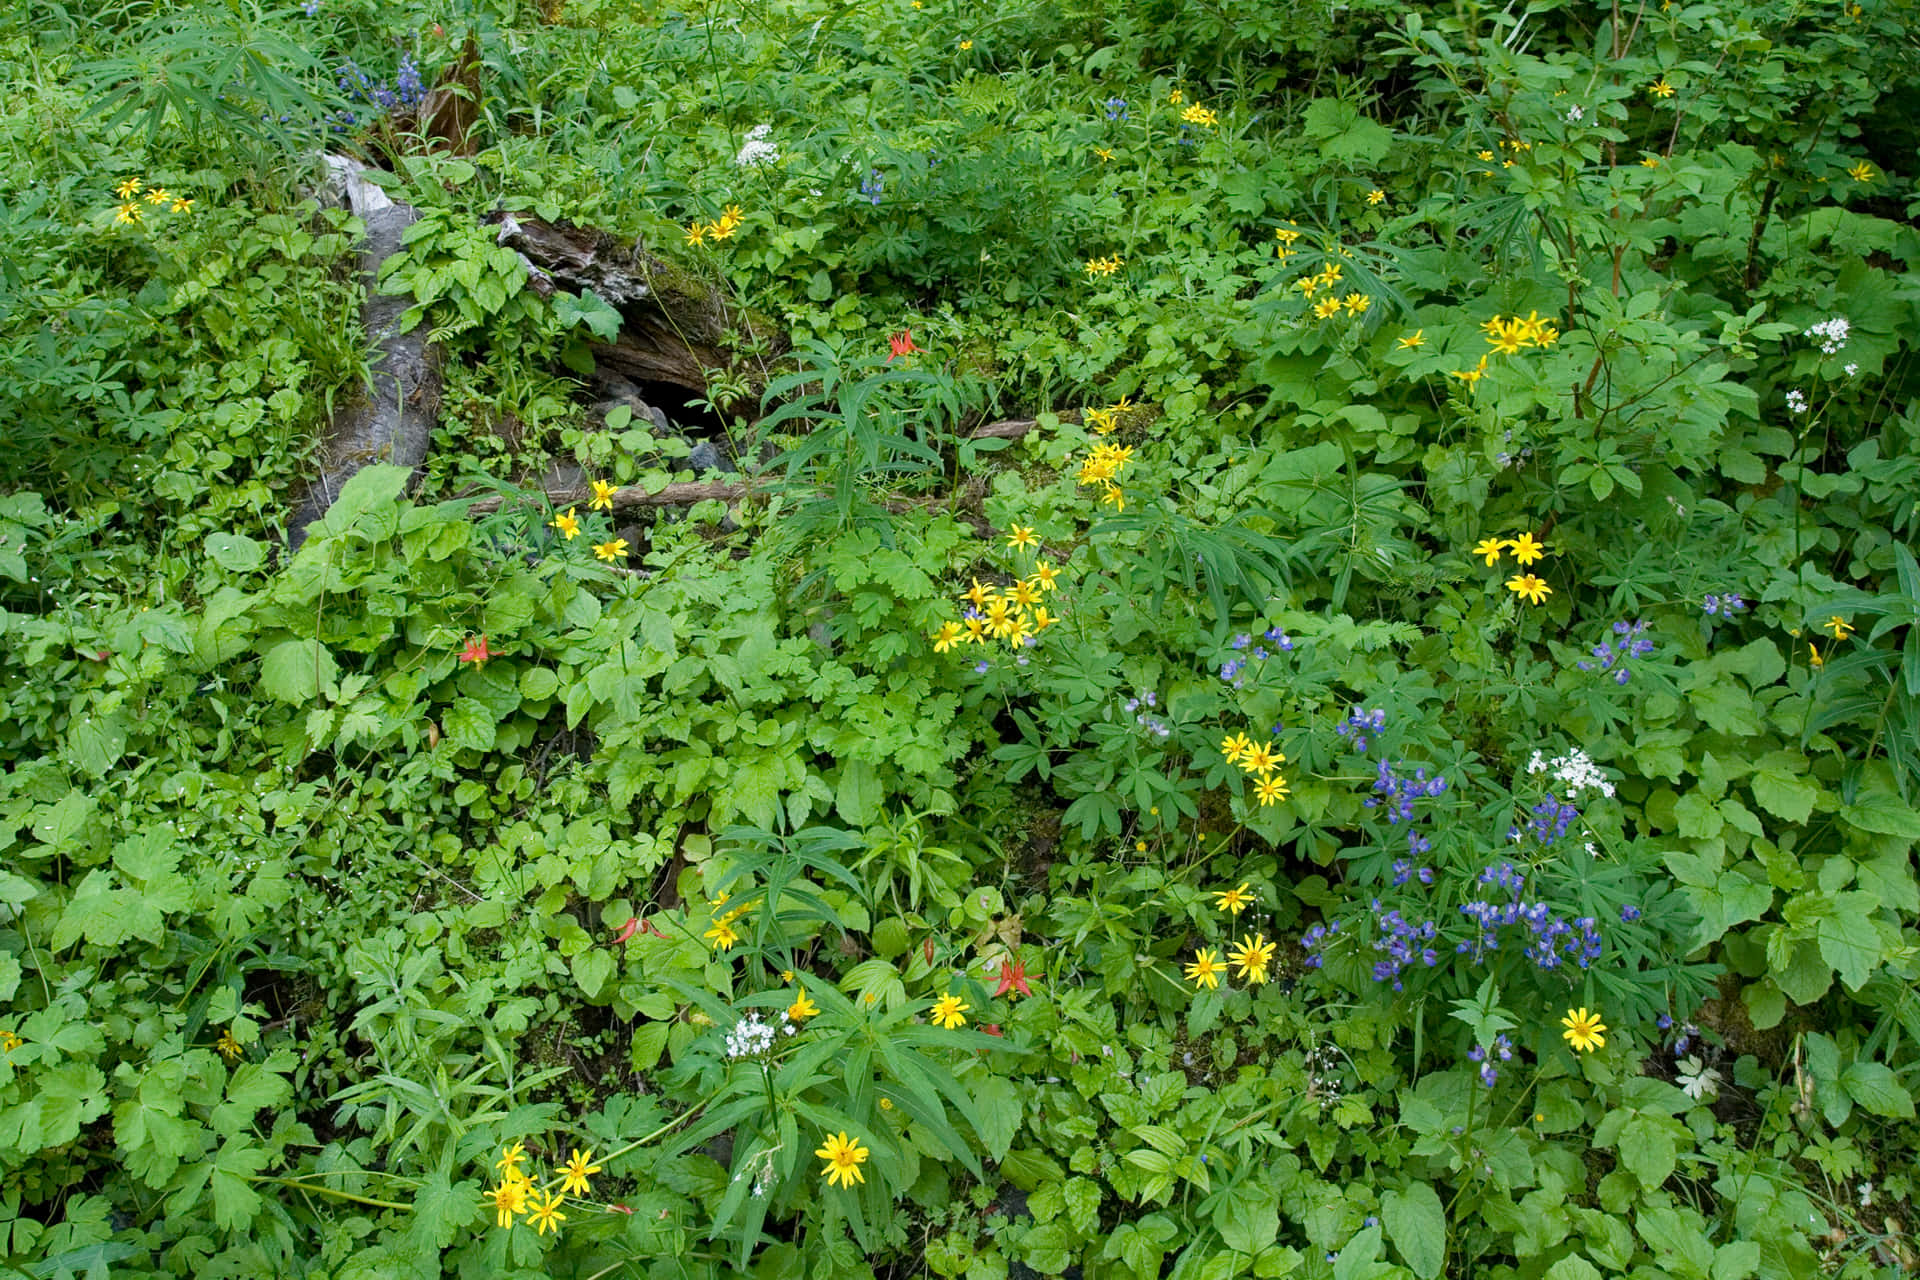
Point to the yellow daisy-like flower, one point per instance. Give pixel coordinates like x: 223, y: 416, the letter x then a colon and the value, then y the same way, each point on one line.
x: 1114, y: 496
x: 1045, y: 576
x: 1525, y: 549
x: 978, y: 595
x: 1103, y: 153
x: 966, y: 44
x: 722, y: 935
x: 844, y: 1156
x: 1176, y: 97
x: 1285, y: 235
x: 976, y: 630
x: 1356, y: 303
x: 509, y: 1162
x: 721, y: 230
x: 158, y: 195
x: 1327, y: 307
x: 1022, y: 538
x: 544, y: 1213
x: 574, y: 1174
x: 1307, y: 285
x: 1862, y: 172
x: 1509, y: 338
x: 1471, y: 376
x: 182, y: 203
x: 1813, y: 656
x: 128, y: 214
x: 1261, y: 759
x: 1234, y: 900
x: 947, y: 1011
x: 128, y: 188
x: 697, y: 233
x: 1483, y: 155
x: 1660, y: 88
x: 611, y: 551
x: 602, y: 496
x: 802, y: 1007
x: 1840, y: 627
x: 1234, y: 746
x: 9, y: 1041
x: 1490, y: 549
x: 1530, y: 587
x: 1270, y: 790
x: 1376, y: 196
x: 229, y: 1047
x: 568, y: 524
x: 1583, y: 1030
x: 1025, y: 593
x: 947, y: 636
x: 1197, y: 114
x: 1649, y: 162
x: 509, y: 1198
x: 1042, y: 620
x: 1206, y: 969
x: 732, y: 215
x: 1413, y: 341
x: 1252, y: 956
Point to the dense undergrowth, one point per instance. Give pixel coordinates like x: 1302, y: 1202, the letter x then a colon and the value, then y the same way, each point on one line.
x: 1409, y: 766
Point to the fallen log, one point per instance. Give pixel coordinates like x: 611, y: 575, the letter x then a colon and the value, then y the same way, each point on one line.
x: 391, y: 418
x: 630, y: 497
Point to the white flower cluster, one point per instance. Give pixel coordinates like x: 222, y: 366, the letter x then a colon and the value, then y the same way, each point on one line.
x: 751, y: 1036
x: 1832, y: 334
x: 1697, y: 1080
x: 1574, y: 113
x: 756, y: 150
x: 1796, y: 402
x: 1575, y: 771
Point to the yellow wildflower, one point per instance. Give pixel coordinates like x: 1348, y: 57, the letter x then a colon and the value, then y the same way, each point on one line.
x: 1862, y: 172
x: 611, y: 551
x: 947, y: 636
x: 1525, y: 549
x: 1529, y: 586
x: 1413, y: 341
x: 1253, y: 955
x: 128, y: 188
x: 1376, y: 196
x: 1197, y: 114
x: 1045, y: 576
x: 844, y: 1156
x: 509, y: 1198
x: 568, y: 524
x: 722, y: 935
x: 602, y: 496
x: 229, y: 1047
x: 1206, y: 969
x: 1583, y: 1030
x: 545, y: 1213
x: 802, y: 1007
x: 1660, y: 88
x: 1840, y: 627
x: 1327, y: 307
x: 127, y: 214
x: 1234, y: 746
x: 574, y: 1175
x: 697, y: 233
x: 948, y: 1010
x: 1471, y: 376
x: 1234, y: 900
x: 1270, y: 789
x: 1356, y: 303
x: 158, y: 195
x: 1022, y: 538
x: 1490, y: 548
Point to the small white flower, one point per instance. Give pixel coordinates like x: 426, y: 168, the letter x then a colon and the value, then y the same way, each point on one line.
x: 1796, y: 402
x: 1852, y: 369
x: 756, y: 151
x: 1866, y: 1195
x: 1574, y: 113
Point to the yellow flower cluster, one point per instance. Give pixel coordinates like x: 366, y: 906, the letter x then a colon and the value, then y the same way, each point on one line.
x: 1329, y: 276
x: 722, y: 934
x: 1103, y: 266
x: 1103, y: 467
x: 1103, y: 421
x: 1509, y: 336
x: 517, y: 1194
x: 9, y: 1041
x: 1529, y: 586
x: 1258, y: 760
x: 129, y: 213
x: 1287, y: 237
x: 720, y: 229
x: 1012, y: 614
x: 1197, y: 114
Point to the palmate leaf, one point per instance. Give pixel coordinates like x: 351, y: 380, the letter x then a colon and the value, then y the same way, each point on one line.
x: 1233, y: 562
x: 231, y: 71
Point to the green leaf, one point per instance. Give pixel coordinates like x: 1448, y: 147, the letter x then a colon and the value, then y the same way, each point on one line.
x: 1875, y: 1087
x: 1416, y: 1223
x: 591, y: 969
x: 469, y: 723
x: 235, y: 552
x: 1573, y: 1267
x: 1848, y: 939
x: 1781, y: 790
x: 295, y: 671
x: 1647, y: 1149
x: 1000, y: 1114
x: 589, y: 309
x: 366, y: 503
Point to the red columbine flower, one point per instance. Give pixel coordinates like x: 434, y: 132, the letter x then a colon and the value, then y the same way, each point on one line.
x: 1013, y: 977
x: 627, y: 931
x: 476, y: 651
x: 993, y: 1029
x: 902, y: 344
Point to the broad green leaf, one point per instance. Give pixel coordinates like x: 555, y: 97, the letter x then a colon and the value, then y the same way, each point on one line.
x: 1416, y: 1223
x: 1875, y: 1087
x: 295, y: 671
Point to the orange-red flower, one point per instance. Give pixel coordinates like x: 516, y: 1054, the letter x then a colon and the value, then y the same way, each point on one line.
x: 476, y: 651
x: 902, y: 344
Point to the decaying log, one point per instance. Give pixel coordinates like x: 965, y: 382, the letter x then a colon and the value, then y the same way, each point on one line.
x: 674, y: 495
x: 673, y: 325
x: 391, y: 419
